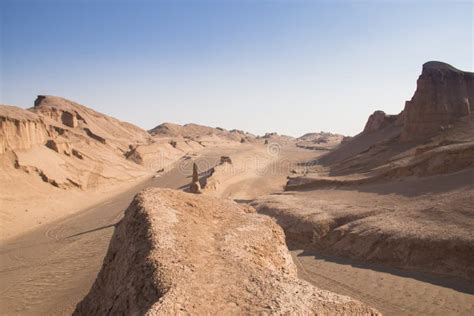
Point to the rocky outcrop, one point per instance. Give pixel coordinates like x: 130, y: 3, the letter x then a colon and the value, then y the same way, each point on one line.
x: 443, y: 94
x: 195, y: 186
x: 61, y: 147
x: 94, y: 136
x: 432, y: 234
x: 196, y: 131
x: 20, y: 129
x: 319, y: 141
x: 83, y: 120
x: 69, y: 119
x: 58, y: 113
x: 179, y: 253
x: 379, y: 120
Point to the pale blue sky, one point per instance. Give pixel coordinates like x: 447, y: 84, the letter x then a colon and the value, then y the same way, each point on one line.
x: 285, y: 66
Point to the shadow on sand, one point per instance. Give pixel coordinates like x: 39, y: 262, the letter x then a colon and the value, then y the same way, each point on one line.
x: 92, y: 230
x: 447, y: 282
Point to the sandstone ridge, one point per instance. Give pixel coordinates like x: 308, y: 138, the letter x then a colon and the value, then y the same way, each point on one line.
x: 175, y: 252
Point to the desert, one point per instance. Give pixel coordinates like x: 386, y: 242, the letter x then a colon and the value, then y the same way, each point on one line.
x: 236, y: 158
x: 362, y: 217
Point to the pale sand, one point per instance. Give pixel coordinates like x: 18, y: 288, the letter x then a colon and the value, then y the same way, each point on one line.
x: 391, y: 291
x: 49, y: 270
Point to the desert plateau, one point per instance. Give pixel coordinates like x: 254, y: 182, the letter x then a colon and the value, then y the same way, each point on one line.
x: 305, y: 201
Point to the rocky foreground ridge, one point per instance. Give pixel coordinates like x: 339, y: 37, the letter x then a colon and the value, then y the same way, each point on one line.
x: 175, y: 252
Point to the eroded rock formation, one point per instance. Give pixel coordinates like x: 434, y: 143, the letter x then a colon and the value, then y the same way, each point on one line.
x: 179, y: 253
x: 195, y: 186
x: 378, y: 120
x: 20, y: 129
x: 443, y: 94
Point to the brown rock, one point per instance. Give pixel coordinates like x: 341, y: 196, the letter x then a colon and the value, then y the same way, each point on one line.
x: 60, y: 147
x: 178, y: 253
x: 226, y: 159
x: 379, y: 120
x: 443, y: 94
x: 195, y: 187
x: 195, y: 173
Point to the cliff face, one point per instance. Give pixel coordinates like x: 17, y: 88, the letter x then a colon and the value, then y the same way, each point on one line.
x: 20, y: 129
x: 442, y: 106
x: 443, y: 94
x: 179, y: 253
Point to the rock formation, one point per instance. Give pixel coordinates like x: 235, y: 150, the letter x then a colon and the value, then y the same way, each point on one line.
x: 225, y: 159
x: 319, y: 141
x: 195, y: 186
x: 63, y: 142
x: 379, y: 120
x: 69, y: 119
x: 20, y: 129
x: 178, y: 253
x: 196, y: 131
x: 443, y: 94
x: 444, y: 97
x: 61, y: 147
x: 195, y: 173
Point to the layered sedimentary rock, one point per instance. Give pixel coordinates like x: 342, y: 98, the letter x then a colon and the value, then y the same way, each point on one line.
x: 63, y: 142
x: 20, y: 129
x: 443, y: 94
x: 178, y: 253
x: 443, y: 101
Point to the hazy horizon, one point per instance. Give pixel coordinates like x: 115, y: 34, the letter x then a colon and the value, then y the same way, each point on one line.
x: 286, y: 67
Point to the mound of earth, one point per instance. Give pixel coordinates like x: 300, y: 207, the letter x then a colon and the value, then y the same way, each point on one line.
x: 175, y: 253
x: 379, y: 120
x: 199, y: 132
x: 319, y: 141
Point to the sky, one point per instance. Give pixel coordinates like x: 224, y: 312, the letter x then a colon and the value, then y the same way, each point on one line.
x: 261, y: 66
